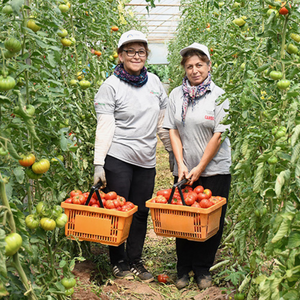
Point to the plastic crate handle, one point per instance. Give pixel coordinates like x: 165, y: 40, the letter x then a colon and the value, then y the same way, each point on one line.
x: 95, y: 188
x: 178, y: 185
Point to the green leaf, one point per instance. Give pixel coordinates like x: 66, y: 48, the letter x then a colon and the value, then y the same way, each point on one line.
x: 282, y: 231
x: 294, y: 240
x: 63, y: 142
x: 4, y: 99
x: 19, y: 173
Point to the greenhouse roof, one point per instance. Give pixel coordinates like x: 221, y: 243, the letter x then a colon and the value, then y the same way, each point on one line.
x: 161, y: 21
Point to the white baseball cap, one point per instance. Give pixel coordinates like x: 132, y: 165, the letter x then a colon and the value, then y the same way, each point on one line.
x: 195, y: 46
x: 132, y: 36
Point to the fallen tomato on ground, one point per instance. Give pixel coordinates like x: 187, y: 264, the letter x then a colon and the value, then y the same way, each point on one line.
x: 163, y: 278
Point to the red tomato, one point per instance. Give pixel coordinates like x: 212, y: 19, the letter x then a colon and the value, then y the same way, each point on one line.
x: 162, y: 278
x: 111, y: 196
x: 75, y: 193
x: 69, y: 200
x: 208, y: 192
x: 193, y: 195
x: 166, y: 193
x: 95, y: 205
x: 130, y: 204
x: 86, y: 195
x: 205, y: 203
x: 199, y: 189
x: 195, y: 204
x: 109, y: 204
x: 102, y: 195
x: 125, y: 207
x: 187, y: 189
x: 161, y: 199
x: 92, y: 201
x: 189, y: 200
x: 283, y: 11
x: 202, y: 196
x: 116, y: 203
x: 76, y: 200
x: 122, y: 200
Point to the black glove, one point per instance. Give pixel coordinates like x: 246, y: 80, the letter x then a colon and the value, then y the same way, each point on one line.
x: 171, y: 160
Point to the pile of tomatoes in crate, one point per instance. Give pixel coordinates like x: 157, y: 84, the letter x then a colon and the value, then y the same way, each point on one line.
x: 197, y: 197
x: 110, y: 200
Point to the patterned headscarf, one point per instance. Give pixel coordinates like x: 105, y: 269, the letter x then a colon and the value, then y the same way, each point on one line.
x: 135, y: 80
x: 191, y: 93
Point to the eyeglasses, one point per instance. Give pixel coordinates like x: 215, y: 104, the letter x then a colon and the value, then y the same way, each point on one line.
x: 132, y: 53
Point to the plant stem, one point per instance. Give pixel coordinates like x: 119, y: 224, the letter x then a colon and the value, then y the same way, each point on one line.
x: 5, y: 202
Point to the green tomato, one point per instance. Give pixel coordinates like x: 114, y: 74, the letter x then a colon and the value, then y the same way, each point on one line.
x: 42, y: 210
x: 13, y: 243
x: 272, y: 160
x: 68, y: 283
x: 7, y: 83
x: 239, y: 21
x: 31, y: 174
x: 56, y: 211
x: 32, y: 221
x: 292, y: 49
x: 242, y: 66
x: 257, y: 213
x: 61, y: 220
x: 32, y: 25
x: 84, y: 84
x: 47, y: 224
x: 60, y: 157
x: 283, y: 84
x: 62, y: 32
x: 271, y: 10
x: 63, y: 8
x: 13, y: 45
x: 41, y: 167
x: 7, y: 9
x: 279, y: 134
x: 69, y: 292
x: 73, y: 82
x: 276, y: 75
x: 295, y: 37
x: 3, y: 152
x: 30, y: 110
x: 239, y: 296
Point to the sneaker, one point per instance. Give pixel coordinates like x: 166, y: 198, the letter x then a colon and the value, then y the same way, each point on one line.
x: 121, y: 270
x: 182, y: 281
x: 141, y: 272
x: 204, y: 281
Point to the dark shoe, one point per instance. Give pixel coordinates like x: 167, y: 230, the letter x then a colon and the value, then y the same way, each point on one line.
x: 182, y: 282
x: 203, y: 281
x: 141, y: 272
x: 121, y: 270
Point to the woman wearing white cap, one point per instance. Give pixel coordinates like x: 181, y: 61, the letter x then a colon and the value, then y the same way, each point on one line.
x: 194, y: 118
x: 130, y: 105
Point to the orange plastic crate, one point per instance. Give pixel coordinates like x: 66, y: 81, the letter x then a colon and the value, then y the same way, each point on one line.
x: 185, y: 222
x: 99, y: 225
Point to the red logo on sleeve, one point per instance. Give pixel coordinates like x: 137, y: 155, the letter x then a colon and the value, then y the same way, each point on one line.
x: 209, y: 117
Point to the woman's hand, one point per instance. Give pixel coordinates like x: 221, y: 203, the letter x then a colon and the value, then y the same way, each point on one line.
x: 194, y: 175
x: 182, y: 172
